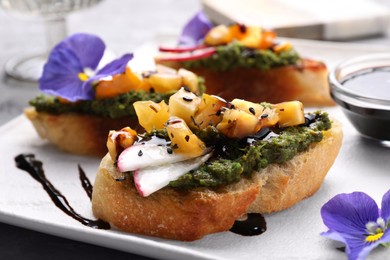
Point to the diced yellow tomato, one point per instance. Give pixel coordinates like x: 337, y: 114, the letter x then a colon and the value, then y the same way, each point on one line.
x: 184, y: 104
x: 163, y: 82
x: 120, y: 140
x: 63, y: 100
x: 145, y: 85
x: 151, y: 115
x: 209, y: 111
x: 121, y: 83
x: 190, y: 80
x: 238, y: 124
x: 284, y: 46
x: 290, y: 113
x: 165, y: 69
x: 218, y: 35
x: 133, y: 78
x: 269, y: 117
x: 247, y: 106
x: 267, y: 40
x: 249, y: 36
x: 182, y: 139
x: 252, y: 37
x: 238, y: 31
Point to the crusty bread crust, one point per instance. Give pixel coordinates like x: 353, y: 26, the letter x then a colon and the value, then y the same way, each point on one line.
x: 191, y: 215
x: 306, y: 82
x: 286, y: 184
x: 76, y: 133
x: 168, y: 213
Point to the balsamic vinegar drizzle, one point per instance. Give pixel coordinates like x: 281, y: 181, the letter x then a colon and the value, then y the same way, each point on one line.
x: 28, y: 163
x: 85, y: 182
x: 254, y: 225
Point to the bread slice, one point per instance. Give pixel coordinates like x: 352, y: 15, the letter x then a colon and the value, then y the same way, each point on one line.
x: 283, y: 185
x: 306, y: 82
x: 76, y: 133
x: 190, y: 215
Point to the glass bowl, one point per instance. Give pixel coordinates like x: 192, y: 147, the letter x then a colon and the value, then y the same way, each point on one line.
x: 361, y: 86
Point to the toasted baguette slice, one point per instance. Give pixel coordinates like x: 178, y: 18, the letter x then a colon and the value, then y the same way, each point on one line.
x: 76, y: 133
x: 191, y: 215
x: 286, y: 184
x: 306, y: 82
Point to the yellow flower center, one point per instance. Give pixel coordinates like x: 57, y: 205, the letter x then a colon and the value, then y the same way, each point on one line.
x: 83, y: 76
x: 373, y: 238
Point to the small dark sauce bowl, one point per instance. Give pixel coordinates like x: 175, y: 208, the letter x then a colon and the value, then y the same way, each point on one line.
x: 368, y: 112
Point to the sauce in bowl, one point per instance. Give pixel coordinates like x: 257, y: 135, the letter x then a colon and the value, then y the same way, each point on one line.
x: 372, y: 83
x: 361, y: 86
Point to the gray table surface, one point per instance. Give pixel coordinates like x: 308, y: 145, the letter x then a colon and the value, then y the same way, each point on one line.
x: 124, y: 25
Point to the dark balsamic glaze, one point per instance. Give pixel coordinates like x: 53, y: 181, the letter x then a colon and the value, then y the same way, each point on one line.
x: 253, y: 225
x: 28, y: 163
x: 85, y: 182
x: 370, y: 82
x: 369, y: 119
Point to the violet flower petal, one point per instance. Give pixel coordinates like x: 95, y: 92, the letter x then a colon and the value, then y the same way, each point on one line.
x: 60, y: 75
x: 334, y: 236
x: 385, y: 208
x: 88, y: 48
x: 349, y: 213
x: 353, y: 244
x: 195, y: 30
x: 360, y: 252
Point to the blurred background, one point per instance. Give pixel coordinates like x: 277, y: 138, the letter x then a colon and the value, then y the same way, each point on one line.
x: 125, y: 25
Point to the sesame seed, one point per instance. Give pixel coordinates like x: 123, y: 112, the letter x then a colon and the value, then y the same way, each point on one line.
x: 187, y: 99
x: 194, y: 122
x: 252, y: 110
x: 187, y: 89
x: 264, y: 115
x: 242, y: 28
x: 153, y: 108
x: 187, y: 138
x: 174, y: 122
x: 140, y: 153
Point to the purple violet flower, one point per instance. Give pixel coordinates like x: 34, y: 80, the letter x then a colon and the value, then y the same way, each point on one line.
x: 195, y: 30
x: 356, y: 220
x: 70, y: 70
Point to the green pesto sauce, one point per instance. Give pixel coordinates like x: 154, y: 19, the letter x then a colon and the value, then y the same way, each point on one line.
x: 235, y: 55
x: 116, y: 107
x: 235, y: 159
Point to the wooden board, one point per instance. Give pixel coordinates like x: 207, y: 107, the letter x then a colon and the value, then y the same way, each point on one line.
x: 309, y: 19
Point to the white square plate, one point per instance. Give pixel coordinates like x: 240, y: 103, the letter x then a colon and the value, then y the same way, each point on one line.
x: 291, y: 234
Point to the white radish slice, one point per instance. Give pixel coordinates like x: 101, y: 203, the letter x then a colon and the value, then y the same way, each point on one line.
x: 152, y: 179
x: 186, y: 56
x: 140, y: 156
x: 181, y: 48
